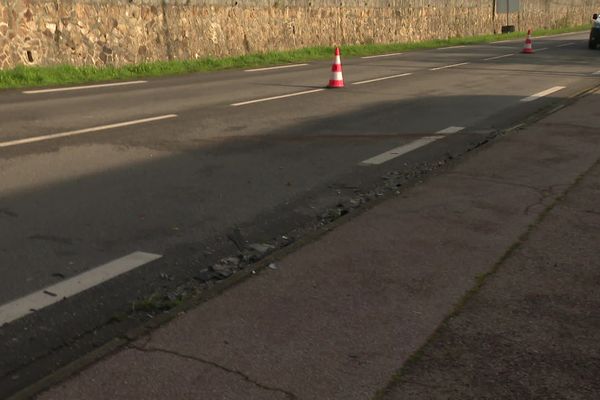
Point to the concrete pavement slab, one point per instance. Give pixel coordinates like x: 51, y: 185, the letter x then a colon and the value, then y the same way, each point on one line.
x: 339, y: 316
x: 533, y: 330
x: 137, y: 374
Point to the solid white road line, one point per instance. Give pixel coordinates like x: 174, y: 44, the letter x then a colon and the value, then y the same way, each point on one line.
x: 283, y: 96
x: 398, y: 151
x: 277, y: 67
x: 86, y: 130
x: 596, y: 73
x: 542, y: 49
x: 498, y: 57
x: 383, y: 55
x: 450, y: 130
x: 542, y: 94
x: 382, y: 79
x: 65, y: 89
x: 407, y: 148
x: 566, y: 44
x: 448, y: 66
x: 72, y: 286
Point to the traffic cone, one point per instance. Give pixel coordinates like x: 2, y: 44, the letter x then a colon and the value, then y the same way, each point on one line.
x: 528, y: 48
x: 337, y: 80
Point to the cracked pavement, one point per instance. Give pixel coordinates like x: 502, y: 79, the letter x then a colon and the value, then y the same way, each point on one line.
x: 533, y: 328
x: 213, y: 364
x: 341, y: 315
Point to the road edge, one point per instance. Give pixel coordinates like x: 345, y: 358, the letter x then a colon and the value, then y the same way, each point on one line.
x: 116, y: 344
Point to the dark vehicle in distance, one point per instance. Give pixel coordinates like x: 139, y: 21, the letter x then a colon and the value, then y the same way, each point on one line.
x: 595, y: 33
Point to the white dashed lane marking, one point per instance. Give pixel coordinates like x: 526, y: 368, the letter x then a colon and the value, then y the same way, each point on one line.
x: 450, y: 130
x: 499, y: 57
x: 451, y: 47
x: 53, y: 294
x: 283, y: 96
x: 276, y: 67
x: 85, y: 130
x: 66, y: 89
x: 407, y: 148
x: 382, y: 55
x: 382, y: 79
x: 542, y: 94
x: 448, y: 66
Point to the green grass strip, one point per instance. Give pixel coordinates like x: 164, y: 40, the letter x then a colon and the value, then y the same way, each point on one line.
x: 25, y: 76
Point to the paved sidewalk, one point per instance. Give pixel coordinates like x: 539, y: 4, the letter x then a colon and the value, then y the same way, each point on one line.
x: 340, y: 316
x: 533, y: 330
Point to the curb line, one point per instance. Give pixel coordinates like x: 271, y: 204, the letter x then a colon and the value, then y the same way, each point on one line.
x: 118, y: 343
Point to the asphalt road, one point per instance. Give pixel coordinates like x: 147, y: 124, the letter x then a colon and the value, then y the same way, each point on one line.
x: 193, y: 158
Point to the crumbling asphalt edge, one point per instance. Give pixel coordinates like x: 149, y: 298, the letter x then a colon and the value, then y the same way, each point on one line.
x: 482, y: 279
x: 261, y: 265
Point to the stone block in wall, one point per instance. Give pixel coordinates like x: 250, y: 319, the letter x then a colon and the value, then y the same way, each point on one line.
x: 118, y: 32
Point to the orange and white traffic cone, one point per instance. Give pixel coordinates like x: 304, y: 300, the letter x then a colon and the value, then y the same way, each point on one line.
x: 337, y: 80
x: 528, y: 48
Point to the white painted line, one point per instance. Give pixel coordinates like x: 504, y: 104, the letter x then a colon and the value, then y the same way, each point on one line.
x: 277, y: 67
x: 515, y: 127
x: 86, y: 130
x: 382, y: 79
x: 243, y: 103
x: 506, y: 41
x: 407, y: 148
x: 566, y: 44
x: 398, y: 151
x: 538, y: 37
x: 65, y: 89
x: 383, y: 55
x: 448, y: 66
x: 542, y: 49
x: 542, y: 94
x: 561, y: 34
x: 451, y: 47
x: 450, y: 130
x: 555, y: 109
x: 596, y: 73
x: 510, y: 47
x: 498, y: 57
x: 72, y: 286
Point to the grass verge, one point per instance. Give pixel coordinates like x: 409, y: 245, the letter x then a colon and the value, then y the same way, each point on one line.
x: 24, y: 76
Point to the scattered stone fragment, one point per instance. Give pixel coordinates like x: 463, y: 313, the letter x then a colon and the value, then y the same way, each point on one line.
x: 262, y: 248
x: 272, y: 266
x: 204, y: 275
x: 237, y: 238
x: 173, y: 297
x: 249, y: 257
x: 166, y: 276
x: 231, y: 261
x: 222, y: 271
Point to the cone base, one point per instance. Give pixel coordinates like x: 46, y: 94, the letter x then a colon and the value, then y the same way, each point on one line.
x: 527, y: 51
x: 335, y: 84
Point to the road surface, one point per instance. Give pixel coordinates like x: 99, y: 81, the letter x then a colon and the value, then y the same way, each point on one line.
x: 112, y: 193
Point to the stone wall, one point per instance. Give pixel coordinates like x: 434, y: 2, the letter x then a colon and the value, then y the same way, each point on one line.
x: 116, y: 32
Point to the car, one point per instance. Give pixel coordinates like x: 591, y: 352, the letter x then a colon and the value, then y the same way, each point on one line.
x: 595, y: 33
